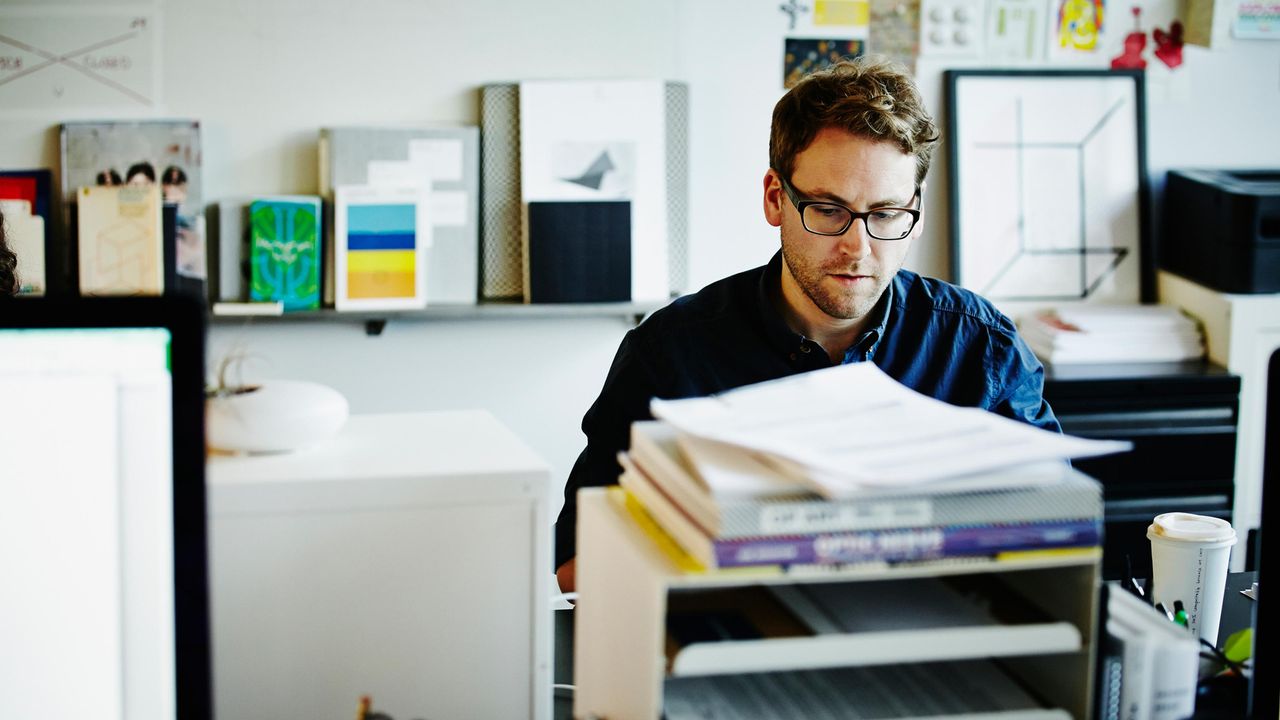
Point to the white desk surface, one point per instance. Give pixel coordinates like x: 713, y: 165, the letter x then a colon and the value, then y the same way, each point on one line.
x: 421, y: 444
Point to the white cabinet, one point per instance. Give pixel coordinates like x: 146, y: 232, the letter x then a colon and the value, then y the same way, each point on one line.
x: 1013, y: 636
x: 408, y: 559
x: 1241, y: 332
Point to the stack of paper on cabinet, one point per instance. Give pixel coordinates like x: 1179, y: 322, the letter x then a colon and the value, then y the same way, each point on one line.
x: 847, y: 466
x: 1112, y: 333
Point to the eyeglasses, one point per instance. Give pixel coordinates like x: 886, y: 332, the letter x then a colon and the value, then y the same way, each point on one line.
x: 828, y: 218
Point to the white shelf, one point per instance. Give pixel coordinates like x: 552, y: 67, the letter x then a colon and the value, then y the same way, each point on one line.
x: 375, y: 321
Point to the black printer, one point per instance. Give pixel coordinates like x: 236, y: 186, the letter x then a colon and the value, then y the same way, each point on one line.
x: 1222, y: 229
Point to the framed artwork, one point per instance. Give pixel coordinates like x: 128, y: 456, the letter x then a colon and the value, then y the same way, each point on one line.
x: 1049, y: 198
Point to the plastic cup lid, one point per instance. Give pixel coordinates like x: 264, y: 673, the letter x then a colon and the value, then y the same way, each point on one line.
x: 1197, y: 528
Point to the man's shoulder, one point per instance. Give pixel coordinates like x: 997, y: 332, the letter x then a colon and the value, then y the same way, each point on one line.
x: 925, y: 298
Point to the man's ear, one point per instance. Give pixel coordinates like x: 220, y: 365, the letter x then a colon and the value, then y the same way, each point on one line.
x: 774, y: 197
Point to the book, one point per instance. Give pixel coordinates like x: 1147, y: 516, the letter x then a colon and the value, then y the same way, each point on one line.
x: 229, y: 250
x: 285, y: 251
x: 25, y: 235
x: 445, y: 163
x: 578, y: 252
x: 379, y: 236
x: 762, y: 502
x: 47, y: 272
x: 882, y: 545
x: 120, y: 240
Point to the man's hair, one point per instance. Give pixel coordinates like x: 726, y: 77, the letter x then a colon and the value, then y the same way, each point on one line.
x: 869, y: 96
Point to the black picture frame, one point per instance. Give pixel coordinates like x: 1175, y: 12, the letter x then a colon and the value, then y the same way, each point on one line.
x: 1012, y: 138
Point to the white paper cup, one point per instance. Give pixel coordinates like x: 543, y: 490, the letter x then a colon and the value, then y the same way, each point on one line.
x: 1189, y: 559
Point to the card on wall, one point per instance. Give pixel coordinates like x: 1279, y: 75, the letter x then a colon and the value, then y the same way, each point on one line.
x: 380, y: 241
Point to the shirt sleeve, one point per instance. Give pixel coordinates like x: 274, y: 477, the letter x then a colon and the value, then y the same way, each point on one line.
x: 1023, y: 396
x: 628, y: 387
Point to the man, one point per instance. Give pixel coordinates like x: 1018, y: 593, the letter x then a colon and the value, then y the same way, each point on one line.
x: 848, y: 154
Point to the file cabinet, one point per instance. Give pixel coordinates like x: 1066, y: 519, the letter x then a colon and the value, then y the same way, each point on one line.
x: 1182, y: 420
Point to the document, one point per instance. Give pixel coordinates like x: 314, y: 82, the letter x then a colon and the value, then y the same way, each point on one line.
x: 852, y: 427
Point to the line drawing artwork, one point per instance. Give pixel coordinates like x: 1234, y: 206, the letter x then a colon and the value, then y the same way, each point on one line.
x: 110, y: 61
x: 1026, y: 242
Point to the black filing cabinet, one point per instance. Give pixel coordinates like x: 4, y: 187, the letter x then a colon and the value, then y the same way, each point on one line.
x: 1181, y: 419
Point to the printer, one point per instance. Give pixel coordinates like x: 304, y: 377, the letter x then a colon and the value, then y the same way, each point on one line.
x: 1221, y: 229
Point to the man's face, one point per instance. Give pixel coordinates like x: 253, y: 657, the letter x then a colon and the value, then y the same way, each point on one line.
x: 842, y: 276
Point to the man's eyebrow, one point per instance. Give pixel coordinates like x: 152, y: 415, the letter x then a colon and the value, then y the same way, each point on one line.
x: 893, y: 202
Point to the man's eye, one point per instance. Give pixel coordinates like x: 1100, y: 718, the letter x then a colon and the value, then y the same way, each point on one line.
x: 826, y: 210
x: 886, y: 214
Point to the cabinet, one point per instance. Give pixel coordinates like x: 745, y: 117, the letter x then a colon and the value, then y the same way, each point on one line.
x: 1181, y: 419
x: 1013, y: 636
x: 407, y: 559
x: 1241, y: 332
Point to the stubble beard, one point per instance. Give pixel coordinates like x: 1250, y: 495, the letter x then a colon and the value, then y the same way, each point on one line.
x: 836, y: 302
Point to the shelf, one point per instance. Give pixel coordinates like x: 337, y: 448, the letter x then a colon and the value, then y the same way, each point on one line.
x: 801, y: 627
x: 375, y: 321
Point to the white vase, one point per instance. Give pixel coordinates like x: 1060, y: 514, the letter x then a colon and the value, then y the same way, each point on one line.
x: 276, y: 416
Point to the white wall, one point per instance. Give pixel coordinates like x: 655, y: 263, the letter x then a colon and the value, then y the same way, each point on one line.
x: 264, y: 75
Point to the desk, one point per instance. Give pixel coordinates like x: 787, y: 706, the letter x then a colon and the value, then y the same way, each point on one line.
x: 407, y: 559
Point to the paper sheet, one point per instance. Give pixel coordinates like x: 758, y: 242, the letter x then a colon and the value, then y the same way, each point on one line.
x: 852, y: 427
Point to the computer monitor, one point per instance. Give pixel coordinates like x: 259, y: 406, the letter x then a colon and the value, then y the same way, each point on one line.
x: 104, y: 608
x: 1264, y: 690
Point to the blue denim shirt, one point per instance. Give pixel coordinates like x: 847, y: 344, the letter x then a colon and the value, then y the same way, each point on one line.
x: 929, y: 335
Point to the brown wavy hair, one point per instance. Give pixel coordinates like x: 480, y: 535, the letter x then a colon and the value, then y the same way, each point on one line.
x: 8, y: 265
x: 869, y: 96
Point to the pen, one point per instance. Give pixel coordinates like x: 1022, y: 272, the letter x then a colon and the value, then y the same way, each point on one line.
x: 1179, y: 613
x: 1164, y: 611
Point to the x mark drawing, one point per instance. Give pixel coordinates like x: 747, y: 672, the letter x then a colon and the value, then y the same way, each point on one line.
x: 52, y: 58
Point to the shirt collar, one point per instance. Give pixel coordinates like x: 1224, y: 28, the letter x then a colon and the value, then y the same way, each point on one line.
x: 785, y: 340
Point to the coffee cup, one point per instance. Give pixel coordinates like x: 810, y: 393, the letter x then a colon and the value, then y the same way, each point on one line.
x: 1189, y: 559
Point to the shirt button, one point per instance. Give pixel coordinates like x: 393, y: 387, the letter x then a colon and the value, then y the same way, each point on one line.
x: 805, y: 348
x: 794, y: 357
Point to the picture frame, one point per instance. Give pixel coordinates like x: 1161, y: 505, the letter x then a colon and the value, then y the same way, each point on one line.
x: 1049, y: 199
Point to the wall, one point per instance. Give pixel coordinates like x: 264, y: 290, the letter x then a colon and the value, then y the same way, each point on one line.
x: 264, y: 75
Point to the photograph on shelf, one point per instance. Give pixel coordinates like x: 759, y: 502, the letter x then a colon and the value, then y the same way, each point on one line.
x: 284, y: 251
x: 1048, y: 185
x: 380, y: 235
x: 121, y: 240
x: 161, y: 153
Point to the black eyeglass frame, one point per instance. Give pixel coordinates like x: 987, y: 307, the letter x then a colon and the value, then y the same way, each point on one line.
x: 801, y: 203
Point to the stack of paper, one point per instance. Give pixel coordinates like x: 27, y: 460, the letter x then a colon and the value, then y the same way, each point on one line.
x: 1105, y: 334
x: 847, y: 466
